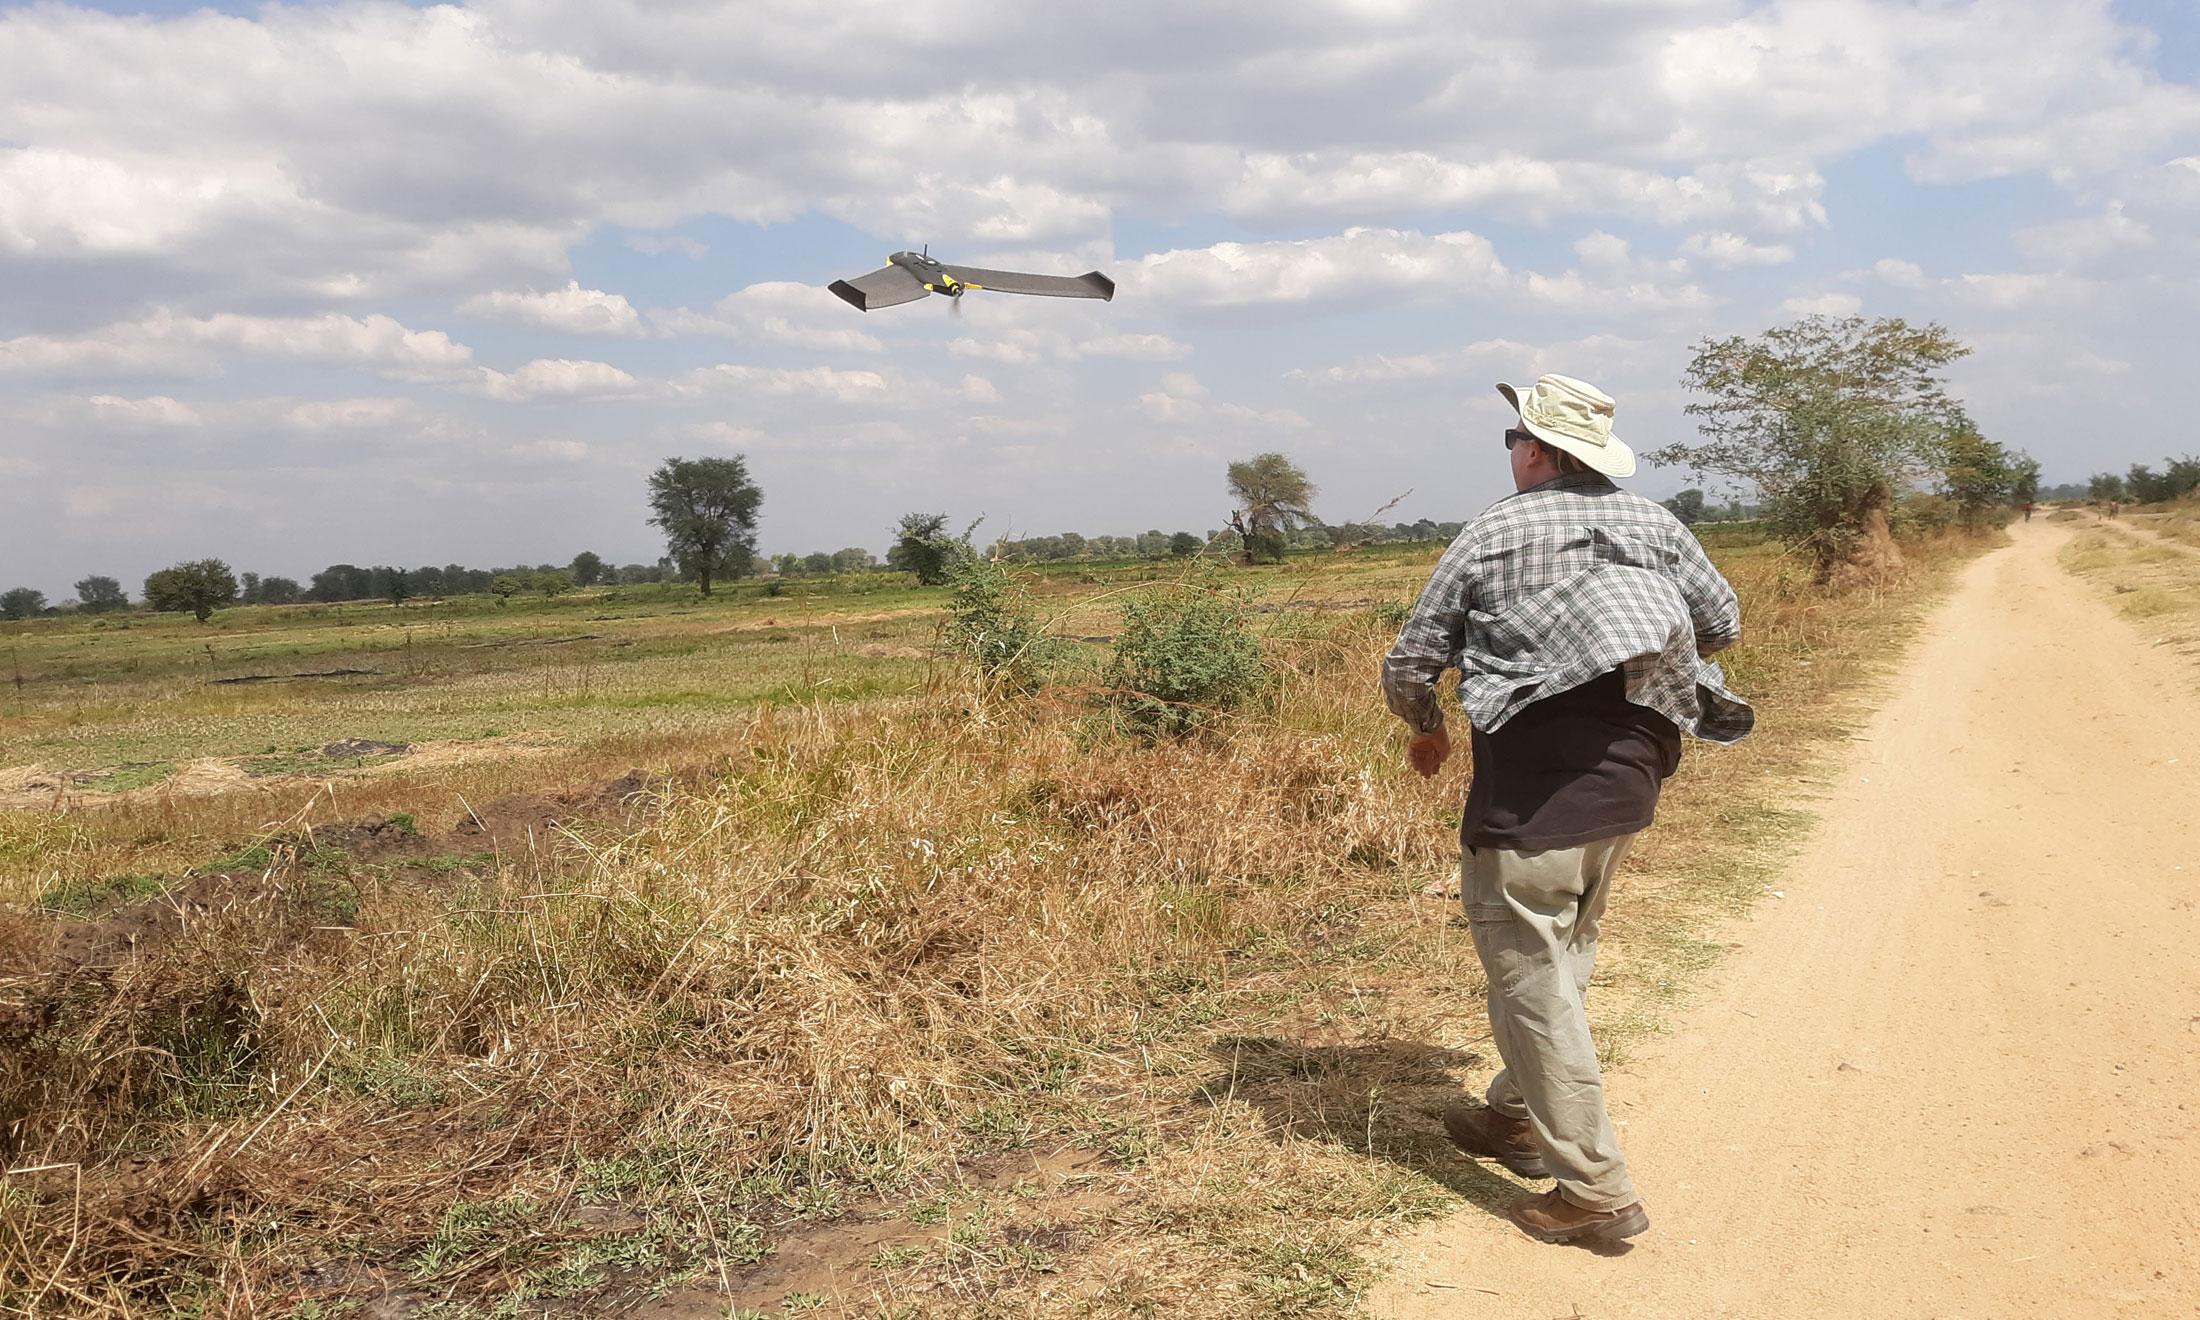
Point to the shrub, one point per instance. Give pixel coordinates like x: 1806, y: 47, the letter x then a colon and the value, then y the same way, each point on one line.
x: 991, y: 623
x: 1184, y: 656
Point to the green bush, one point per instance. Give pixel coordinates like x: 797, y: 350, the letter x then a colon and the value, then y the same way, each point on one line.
x: 1183, y: 658
x: 992, y: 624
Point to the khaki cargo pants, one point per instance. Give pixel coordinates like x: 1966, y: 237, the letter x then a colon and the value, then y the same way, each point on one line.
x: 1535, y: 916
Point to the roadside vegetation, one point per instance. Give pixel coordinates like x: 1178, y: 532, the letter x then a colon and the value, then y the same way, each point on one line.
x: 2147, y: 560
x: 937, y: 957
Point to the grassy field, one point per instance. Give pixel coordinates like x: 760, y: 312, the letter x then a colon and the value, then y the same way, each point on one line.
x: 871, y: 994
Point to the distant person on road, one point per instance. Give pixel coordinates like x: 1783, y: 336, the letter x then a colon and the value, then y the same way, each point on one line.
x: 2028, y: 510
x: 1579, y: 617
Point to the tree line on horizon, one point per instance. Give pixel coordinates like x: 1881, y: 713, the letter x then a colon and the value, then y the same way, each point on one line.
x: 1842, y: 425
x: 2178, y: 478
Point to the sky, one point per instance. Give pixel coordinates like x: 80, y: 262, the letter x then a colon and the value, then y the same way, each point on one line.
x: 298, y: 284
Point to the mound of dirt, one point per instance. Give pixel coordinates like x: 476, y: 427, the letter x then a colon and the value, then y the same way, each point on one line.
x: 530, y: 821
x: 309, y: 882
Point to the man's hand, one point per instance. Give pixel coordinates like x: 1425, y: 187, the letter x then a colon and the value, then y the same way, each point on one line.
x: 1427, y: 752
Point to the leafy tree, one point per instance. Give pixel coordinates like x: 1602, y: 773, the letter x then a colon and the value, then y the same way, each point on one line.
x: 922, y: 546
x: 1277, y: 497
x: 1829, y: 417
x: 1977, y: 474
x: 200, y: 586
x: 279, y: 591
x: 504, y: 586
x: 587, y: 568
x: 341, y: 582
x: 2184, y: 476
x: 552, y: 581
x: 853, y: 558
x: 2024, y: 478
x: 1687, y: 506
x: 249, y: 592
x: 2105, y: 486
x: 398, y: 588
x: 1185, y: 544
x: 99, y: 594
x: 22, y: 603
x: 706, y: 508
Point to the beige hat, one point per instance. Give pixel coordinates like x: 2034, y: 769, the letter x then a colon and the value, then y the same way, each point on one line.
x: 1575, y: 416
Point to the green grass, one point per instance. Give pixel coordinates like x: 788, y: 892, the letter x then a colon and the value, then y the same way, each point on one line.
x: 82, y: 898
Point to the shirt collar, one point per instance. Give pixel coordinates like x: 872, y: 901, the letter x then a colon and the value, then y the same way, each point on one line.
x: 1573, y: 481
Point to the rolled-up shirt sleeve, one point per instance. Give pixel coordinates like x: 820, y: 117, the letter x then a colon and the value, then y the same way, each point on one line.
x: 1430, y: 642
x: 1713, y: 608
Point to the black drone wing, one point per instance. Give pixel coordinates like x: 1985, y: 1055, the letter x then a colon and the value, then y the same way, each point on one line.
x: 1091, y: 284
x: 888, y: 286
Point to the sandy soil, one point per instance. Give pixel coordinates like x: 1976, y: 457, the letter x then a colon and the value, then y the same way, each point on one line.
x: 1954, y: 1070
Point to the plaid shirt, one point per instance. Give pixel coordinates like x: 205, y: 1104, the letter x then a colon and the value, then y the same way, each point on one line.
x: 1557, y: 584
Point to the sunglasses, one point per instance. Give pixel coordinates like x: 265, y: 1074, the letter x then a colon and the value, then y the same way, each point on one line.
x: 1515, y: 436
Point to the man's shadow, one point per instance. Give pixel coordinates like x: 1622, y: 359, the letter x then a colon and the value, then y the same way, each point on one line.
x: 1382, y: 1098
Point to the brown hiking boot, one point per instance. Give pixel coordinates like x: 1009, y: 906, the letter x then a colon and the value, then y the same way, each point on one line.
x: 1481, y: 1130
x: 1552, y: 1218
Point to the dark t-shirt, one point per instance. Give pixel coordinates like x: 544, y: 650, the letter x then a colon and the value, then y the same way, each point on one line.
x: 1569, y: 770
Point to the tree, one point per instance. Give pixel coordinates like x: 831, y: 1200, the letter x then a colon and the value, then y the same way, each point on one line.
x: 587, y: 568
x: 504, y: 586
x: 1276, y: 497
x: 2024, y: 478
x: 1829, y: 417
x: 1977, y: 474
x: 2105, y: 486
x: 1687, y: 506
x: 707, y: 510
x: 249, y: 592
x: 200, y: 586
x: 552, y: 581
x: 279, y: 591
x: 923, y: 547
x: 99, y: 594
x: 398, y: 589
x: 22, y: 603
x: 1185, y: 544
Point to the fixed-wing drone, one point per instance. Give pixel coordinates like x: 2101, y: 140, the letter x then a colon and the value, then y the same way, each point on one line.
x: 908, y: 276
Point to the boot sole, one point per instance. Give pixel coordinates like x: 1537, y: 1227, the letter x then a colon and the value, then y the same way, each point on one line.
x: 1628, y: 1223
x: 1527, y: 1166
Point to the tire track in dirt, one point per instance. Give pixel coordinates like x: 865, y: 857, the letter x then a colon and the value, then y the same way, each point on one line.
x: 1955, y: 1071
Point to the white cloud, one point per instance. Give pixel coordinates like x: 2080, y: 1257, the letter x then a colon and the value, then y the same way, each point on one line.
x: 558, y: 378
x: 1823, y: 304
x: 809, y: 382
x: 1899, y: 273
x: 166, y: 343
x: 564, y: 451
x: 776, y: 312
x: 156, y: 410
x: 1136, y: 347
x: 348, y: 414
x: 572, y: 309
x: 977, y: 389
x: 1356, y: 263
x: 1727, y: 251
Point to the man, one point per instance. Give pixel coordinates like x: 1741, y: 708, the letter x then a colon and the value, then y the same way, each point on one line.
x: 1579, y: 617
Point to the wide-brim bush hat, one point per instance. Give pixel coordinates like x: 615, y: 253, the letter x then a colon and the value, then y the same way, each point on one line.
x: 1575, y: 416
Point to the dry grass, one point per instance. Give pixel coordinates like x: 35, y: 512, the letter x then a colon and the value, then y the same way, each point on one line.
x: 854, y: 957
x: 2153, y: 582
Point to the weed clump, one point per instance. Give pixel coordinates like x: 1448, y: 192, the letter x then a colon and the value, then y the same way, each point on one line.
x: 1184, y: 658
x: 991, y: 623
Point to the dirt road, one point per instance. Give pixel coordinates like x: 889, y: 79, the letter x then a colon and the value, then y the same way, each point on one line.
x: 1955, y: 1070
